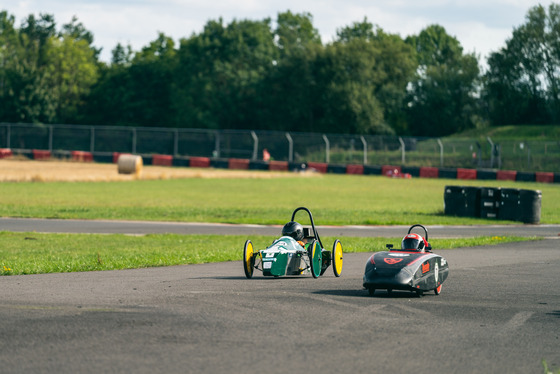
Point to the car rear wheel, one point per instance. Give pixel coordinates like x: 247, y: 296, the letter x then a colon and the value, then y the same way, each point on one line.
x: 419, y: 293
x: 371, y: 291
x: 315, y: 260
x: 248, y: 259
x: 337, y: 258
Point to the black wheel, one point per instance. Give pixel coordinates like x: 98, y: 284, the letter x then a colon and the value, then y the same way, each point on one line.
x: 337, y: 258
x: 419, y: 293
x: 371, y: 291
x: 315, y: 258
x: 389, y: 291
x: 248, y: 259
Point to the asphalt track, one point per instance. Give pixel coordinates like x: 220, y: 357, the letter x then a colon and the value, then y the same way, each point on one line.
x: 499, y: 312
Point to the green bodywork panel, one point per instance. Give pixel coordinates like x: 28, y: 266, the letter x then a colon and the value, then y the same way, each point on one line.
x: 276, y: 257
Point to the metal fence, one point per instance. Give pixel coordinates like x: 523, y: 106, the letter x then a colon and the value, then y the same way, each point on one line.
x: 285, y: 146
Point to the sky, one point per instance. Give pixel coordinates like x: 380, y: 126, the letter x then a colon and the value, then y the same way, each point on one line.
x: 481, y: 26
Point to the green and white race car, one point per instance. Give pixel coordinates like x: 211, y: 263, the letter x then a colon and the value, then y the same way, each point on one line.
x: 298, y: 251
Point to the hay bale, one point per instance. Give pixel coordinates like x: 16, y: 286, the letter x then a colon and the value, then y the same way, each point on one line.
x: 130, y: 164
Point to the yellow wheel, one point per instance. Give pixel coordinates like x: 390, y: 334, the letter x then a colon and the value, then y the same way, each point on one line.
x: 337, y: 258
x: 248, y: 259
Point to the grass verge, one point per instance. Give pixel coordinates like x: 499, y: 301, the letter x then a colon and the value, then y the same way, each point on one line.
x: 33, y: 253
x: 333, y: 199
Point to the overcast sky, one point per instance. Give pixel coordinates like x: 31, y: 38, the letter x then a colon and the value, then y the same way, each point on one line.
x: 481, y: 26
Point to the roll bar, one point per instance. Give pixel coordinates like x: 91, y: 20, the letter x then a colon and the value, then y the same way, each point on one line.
x: 315, y: 233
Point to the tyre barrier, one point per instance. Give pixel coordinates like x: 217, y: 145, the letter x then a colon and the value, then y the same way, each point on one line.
x: 483, y: 174
x: 274, y: 165
x: 41, y: 155
x: 258, y: 165
x: 445, y: 173
x: 355, y: 169
x: 162, y: 160
x: 489, y: 202
x: 372, y: 170
x: 5, y: 152
x: 389, y: 170
x: 297, y: 166
x: 506, y: 175
x: 429, y: 172
x: 321, y: 167
x: 413, y: 171
x: 530, y: 203
x: 81, y: 156
x: 543, y: 177
x: 278, y: 165
x: 130, y: 164
x: 461, y: 201
x: 336, y: 168
x: 199, y: 162
x: 466, y: 173
x: 520, y: 205
x: 220, y: 163
x: 238, y: 164
x: 508, y: 204
x: 181, y: 161
x: 523, y: 176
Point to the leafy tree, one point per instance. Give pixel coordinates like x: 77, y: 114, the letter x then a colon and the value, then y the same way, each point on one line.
x: 72, y: 70
x: 219, y: 72
x: 295, y: 33
x: 122, y: 55
x: 345, y: 76
x: 395, y: 67
x: 46, y: 74
x: 289, y: 91
x: 151, y: 82
x: 110, y: 96
x: 523, y: 79
x: 11, y: 52
x: 136, y: 90
x: 77, y: 31
x: 364, y: 75
x: 36, y: 33
x: 442, y: 98
x: 27, y: 93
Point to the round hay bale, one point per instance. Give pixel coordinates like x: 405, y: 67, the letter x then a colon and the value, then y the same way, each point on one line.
x: 130, y: 164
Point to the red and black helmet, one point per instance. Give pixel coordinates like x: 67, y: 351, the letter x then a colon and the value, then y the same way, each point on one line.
x: 414, y: 242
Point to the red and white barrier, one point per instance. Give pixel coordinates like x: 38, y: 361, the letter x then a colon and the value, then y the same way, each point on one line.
x: 162, y: 160
x: 81, y: 156
x: 199, y: 162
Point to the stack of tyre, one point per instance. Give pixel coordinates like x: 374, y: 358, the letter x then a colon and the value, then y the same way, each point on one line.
x: 495, y: 203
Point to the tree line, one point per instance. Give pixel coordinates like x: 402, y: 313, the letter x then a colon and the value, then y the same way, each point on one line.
x: 252, y: 75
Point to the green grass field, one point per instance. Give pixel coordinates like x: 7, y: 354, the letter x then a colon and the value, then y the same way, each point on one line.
x: 33, y: 253
x: 333, y: 200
